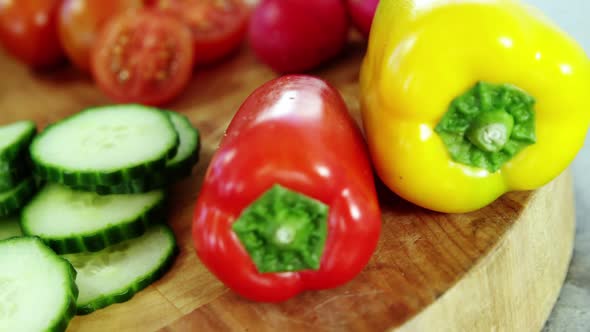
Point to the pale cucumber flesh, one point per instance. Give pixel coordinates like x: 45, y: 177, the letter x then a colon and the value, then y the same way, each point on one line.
x: 75, y: 221
x: 37, y: 289
x: 106, y: 139
x: 116, y: 273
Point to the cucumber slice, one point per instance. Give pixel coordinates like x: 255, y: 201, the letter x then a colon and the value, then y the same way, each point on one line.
x: 37, y: 287
x: 9, y: 227
x: 117, y: 273
x: 14, y: 139
x: 105, y: 146
x: 188, y: 151
x: 178, y: 167
x: 13, y: 173
x: 14, y: 199
x: 71, y: 221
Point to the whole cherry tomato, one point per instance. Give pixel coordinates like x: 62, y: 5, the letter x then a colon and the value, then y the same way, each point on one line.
x: 28, y: 31
x: 79, y: 22
x: 298, y: 35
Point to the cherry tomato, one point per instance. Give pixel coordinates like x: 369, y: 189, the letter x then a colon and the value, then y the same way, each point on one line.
x: 218, y: 26
x: 79, y: 21
x: 298, y: 35
x: 362, y: 13
x: 28, y: 31
x: 143, y: 57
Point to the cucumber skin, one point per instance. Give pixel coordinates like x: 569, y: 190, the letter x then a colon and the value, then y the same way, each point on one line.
x: 97, y: 241
x: 20, y: 198
x: 158, y: 180
x: 138, y: 286
x: 15, y: 150
x: 78, y: 178
x: 61, y: 324
x: 172, y: 174
x: 11, y: 174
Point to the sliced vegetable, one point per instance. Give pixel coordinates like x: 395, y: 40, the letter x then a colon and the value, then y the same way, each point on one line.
x: 37, y: 288
x: 218, y: 26
x: 290, y: 189
x: 9, y: 227
x: 14, y: 199
x: 28, y: 31
x: 11, y: 175
x: 187, y: 154
x: 79, y: 22
x: 459, y: 109
x: 298, y: 35
x: 105, y: 146
x: 71, y: 221
x: 179, y: 166
x: 143, y: 57
x: 14, y: 140
x: 117, y: 273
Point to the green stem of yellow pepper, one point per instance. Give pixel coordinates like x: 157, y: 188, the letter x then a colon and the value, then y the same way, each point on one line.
x: 490, y: 131
x: 488, y: 125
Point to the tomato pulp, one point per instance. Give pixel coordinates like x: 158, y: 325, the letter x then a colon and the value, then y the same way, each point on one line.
x: 218, y: 26
x: 79, y: 22
x: 143, y: 57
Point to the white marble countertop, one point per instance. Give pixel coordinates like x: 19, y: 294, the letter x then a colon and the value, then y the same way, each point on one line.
x: 572, y: 311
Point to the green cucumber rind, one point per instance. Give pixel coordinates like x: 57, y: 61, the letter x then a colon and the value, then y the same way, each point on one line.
x: 60, y: 324
x: 13, y: 151
x: 53, y: 173
x: 96, y: 241
x: 173, y: 172
x: 140, y: 284
x: 22, y: 194
x: 189, y: 161
x: 13, y: 173
x: 154, y: 181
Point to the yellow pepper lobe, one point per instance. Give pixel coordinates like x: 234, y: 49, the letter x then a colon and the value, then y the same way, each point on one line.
x: 423, y: 56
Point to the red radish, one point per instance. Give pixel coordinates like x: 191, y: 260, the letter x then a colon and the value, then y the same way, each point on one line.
x: 294, y: 36
x: 362, y: 12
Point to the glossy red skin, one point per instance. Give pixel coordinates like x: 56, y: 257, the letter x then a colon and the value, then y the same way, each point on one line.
x: 216, y: 32
x: 362, y: 13
x: 143, y: 62
x: 294, y: 131
x: 296, y: 36
x: 28, y: 31
x: 79, y: 22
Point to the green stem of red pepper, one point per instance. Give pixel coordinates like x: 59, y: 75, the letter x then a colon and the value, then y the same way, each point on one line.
x: 488, y: 125
x: 283, y: 230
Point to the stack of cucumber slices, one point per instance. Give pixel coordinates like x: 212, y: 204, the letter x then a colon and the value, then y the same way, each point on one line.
x: 83, y: 205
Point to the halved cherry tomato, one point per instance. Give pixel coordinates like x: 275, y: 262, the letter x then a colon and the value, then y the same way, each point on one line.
x: 79, y: 21
x: 218, y: 26
x: 143, y: 57
x: 28, y: 31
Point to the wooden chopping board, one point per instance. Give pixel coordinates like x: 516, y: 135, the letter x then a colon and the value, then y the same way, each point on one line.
x: 497, y: 269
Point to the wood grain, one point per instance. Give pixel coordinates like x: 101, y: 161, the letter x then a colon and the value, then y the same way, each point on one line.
x: 497, y: 269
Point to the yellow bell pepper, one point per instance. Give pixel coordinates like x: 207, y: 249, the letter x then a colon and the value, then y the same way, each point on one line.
x: 465, y: 100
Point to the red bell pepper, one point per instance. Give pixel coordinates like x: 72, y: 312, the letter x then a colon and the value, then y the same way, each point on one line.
x: 288, y: 202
